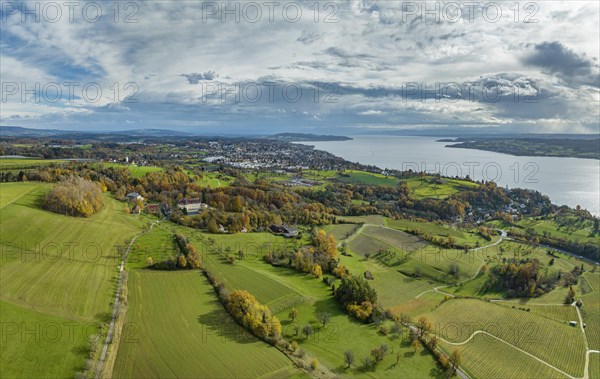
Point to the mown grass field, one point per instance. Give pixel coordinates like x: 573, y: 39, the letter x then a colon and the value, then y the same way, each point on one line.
x: 38, y: 345
x: 341, y: 231
x: 460, y: 235
x: 369, y: 178
x: 20, y: 163
x: 426, y: 187
x: 55, y: 267
x: 176, y: 327
x: 554, y: 342
x: 136, y: 171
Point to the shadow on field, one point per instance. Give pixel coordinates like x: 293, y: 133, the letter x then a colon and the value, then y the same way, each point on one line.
x: 219, y: 323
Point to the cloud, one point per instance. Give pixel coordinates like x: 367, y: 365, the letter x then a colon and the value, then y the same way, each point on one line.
x: 365, y: 56
x: 195, y: 78
x: 556, y: 58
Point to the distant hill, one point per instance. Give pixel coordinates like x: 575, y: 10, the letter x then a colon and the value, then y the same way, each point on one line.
x: 17, y: 131
x: 307, y: 137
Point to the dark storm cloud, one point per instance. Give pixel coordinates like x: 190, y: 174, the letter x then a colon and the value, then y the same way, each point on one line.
x: 556, y: 58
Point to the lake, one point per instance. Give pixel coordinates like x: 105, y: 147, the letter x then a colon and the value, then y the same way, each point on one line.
x: 570, y: 181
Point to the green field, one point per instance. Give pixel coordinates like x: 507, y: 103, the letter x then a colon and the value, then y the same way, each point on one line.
x: 484, y: 357
x: 554, y: 342
x: 341, y: 231
x: 427, y: 187
x: 176, y: 327
x: 136, y: 171
x: 281, y: 289
x: 36, y: 345
x: 369, y: 178
x: 436, y: 229
x: 19, y: 163
x: 44, y: 255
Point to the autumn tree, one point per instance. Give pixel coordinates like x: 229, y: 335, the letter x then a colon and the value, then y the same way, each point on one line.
x: 74, y: 197
x: 423, y: 326
x: 293, y: 314
x: 455, y: 359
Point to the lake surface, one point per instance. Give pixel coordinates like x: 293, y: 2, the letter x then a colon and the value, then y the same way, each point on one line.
x: 570, y: 181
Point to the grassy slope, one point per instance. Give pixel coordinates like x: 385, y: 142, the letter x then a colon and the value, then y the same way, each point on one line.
x: 43, y: 256
x: 552, y: 341
x: 177, y: 328
x: 36, y: 345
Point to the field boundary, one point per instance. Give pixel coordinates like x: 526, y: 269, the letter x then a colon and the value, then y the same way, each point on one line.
x: 115, y: 312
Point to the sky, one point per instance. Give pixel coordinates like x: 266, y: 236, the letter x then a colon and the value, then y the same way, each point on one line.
x: 264, y: 67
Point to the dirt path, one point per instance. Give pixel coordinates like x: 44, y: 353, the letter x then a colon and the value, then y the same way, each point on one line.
x: 117, y: 302
x: 513, y: 346
x: 437, y: 289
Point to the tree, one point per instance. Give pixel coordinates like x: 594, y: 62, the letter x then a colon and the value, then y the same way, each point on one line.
x: 423, y: 326
x: 323, y: 317
x: 433, y: 343
x: 307, y: 331
x: 317, y: 271
x: 74, y: 196
x: 149, y: 261
x: 455, y: 359
x: 405, y: 319
x: 416, y: 345
x: 212, y: 226
x: 377, y: 353
x: 455, y: 270
x: 570, y: 295
x: 314, y: 363
x: 348, y: 358
x: 293, y: 314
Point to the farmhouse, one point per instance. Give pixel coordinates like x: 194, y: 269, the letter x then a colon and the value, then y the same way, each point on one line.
x: 191, y: 205
x: 134, y: 196
x: 152, y: 209
x: 285, y: 230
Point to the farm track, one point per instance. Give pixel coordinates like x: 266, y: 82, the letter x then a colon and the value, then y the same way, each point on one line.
x: 503, y: 235
x: 117, y: 302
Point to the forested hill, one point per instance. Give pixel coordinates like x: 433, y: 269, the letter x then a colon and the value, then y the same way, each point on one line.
x: 543, y: 147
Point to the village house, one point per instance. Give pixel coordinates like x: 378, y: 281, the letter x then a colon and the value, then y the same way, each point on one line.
x: 133, y: 196
x: 285, y: 230
x: 191, y: 205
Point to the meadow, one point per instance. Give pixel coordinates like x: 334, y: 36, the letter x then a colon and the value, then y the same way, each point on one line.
x: 136, y: 171
x: 43, y: 256
x: 176, y: 327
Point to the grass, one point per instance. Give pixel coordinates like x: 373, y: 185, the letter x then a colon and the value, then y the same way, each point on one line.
x: 21, y: 163
x: 554, y: 342
x: 37, y: 345
x: 214, y: 180
x: 426, y: 187
x: 136, y: 171
x: 435, y: 229
x: 368, y: 178
x: 485, y: 357
x: 176, y: 327
x: 341, y: 231
x: 283, y: 288
x: 56, y: 267
x: 594, y: 369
